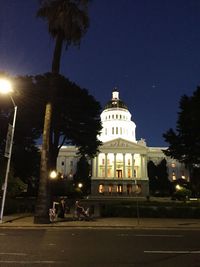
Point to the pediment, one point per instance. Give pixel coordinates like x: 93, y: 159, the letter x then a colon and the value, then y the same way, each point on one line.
x: 120, y: 143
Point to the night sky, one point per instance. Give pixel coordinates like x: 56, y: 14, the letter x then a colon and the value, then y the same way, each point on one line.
x: 149, y: 49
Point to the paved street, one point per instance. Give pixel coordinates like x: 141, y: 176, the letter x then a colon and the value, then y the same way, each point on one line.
x: 102, y: 242
x: 98, y: 247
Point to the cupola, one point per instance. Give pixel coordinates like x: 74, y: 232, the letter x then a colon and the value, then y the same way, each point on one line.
x: 116, y: 120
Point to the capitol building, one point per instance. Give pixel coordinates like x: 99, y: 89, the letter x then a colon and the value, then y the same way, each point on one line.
x: 120, y: 167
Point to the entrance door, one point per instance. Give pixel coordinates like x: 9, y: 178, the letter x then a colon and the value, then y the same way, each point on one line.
x: 119, y: 173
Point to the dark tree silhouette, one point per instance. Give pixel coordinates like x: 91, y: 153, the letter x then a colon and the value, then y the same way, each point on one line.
x: 184, y: 141
x: 67, y: 23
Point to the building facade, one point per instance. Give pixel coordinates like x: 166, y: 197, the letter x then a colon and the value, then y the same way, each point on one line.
x: 120, y: 168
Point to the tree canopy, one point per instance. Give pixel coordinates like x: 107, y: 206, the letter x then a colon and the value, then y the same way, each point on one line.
x: 76, y: 121
x: 67, y: 22
x: 184, y: 141
x: 158, y: 178
x: 25, y: 153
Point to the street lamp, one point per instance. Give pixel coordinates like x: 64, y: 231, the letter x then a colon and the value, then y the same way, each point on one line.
x: 6, y: 88
x: 80, y: 185
x: 53, y: 175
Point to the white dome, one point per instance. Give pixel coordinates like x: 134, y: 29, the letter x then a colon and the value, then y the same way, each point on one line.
x: 116, y: 121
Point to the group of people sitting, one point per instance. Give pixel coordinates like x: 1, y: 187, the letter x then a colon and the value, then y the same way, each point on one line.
x: 59, y: 209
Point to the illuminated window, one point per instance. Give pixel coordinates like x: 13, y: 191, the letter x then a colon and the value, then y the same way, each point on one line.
x: 129, y: 173
x: 183, y: 175
x: 119, y: 188
x: 173, y: 177
x: 129, y: 162
x: 101, y: 188
x: 138, y: 188
x: 173, y: 165
x: 110, y: 189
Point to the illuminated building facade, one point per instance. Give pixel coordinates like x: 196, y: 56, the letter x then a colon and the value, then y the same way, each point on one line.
x: 120, y: 168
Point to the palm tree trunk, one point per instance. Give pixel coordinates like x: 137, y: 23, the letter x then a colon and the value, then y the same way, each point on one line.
x: 44, y: 193
x: 55, y: 68
x: 43, y: 199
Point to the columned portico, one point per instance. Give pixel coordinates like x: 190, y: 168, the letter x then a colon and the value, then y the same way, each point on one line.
x: 104, y: 167
x: 119, y: 172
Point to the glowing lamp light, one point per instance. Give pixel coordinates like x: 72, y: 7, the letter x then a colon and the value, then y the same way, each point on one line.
x: 178, y: 187
x: 53, y: 174
x: 80, y: 185
x: 5, y: 86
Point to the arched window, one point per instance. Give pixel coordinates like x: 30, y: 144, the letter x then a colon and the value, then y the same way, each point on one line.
x: 110, y: 189
x: 120, y: 189
x: 101, y: 189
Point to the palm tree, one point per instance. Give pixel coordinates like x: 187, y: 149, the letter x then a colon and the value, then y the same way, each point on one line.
x: 67, y: 22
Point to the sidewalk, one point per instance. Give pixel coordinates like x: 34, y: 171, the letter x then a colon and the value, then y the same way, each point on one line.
x: 26, y: 221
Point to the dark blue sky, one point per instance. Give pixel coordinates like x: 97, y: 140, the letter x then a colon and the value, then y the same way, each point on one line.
x: 149, y: 49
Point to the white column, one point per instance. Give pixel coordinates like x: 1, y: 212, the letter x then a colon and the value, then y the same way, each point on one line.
x: 124, y: 169
x: 114, y: 165
x: 142, y: 166
x: 133, y: 163
x: 106, y: 165
x: 145, y: 166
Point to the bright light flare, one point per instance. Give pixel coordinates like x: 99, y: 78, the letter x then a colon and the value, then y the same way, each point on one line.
x: 178, y: 187
x: 80, y: 185
x: 53, y: 175
x: 5, y: 86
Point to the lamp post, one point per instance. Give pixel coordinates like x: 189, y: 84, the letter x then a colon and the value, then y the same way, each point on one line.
x: 6, y: 88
